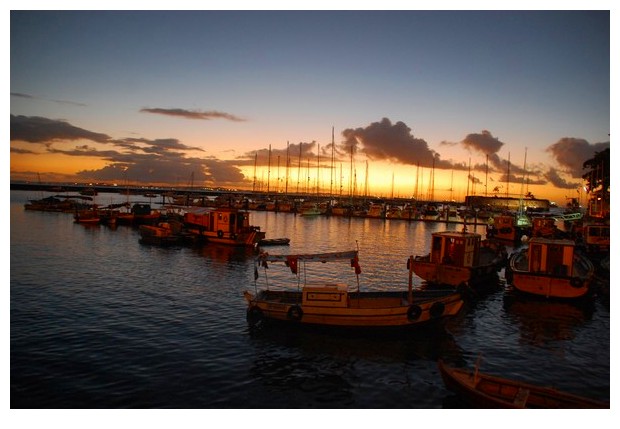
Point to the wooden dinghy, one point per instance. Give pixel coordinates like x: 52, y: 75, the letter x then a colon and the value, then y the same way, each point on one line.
x: 488, y: 391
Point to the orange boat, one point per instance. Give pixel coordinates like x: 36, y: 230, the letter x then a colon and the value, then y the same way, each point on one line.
x: 460, y: 259
x: 487, y: 391
x: 551, y: 268
x: 332, y: 304
x: 224, y: 225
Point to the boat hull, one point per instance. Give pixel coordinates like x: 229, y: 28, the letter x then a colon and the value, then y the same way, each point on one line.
x: 487, y: 391
x: 445, y: 274
x: 549, y: 285
x: 360, y: 310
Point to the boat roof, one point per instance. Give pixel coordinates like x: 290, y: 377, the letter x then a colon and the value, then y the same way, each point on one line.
x: 312, y: 257
x: 456, y: 234
x: 205, y: 210
x: 547, y: 241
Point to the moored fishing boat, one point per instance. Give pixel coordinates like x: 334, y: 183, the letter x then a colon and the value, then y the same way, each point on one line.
x: 88, y: 216
x: 143, y: 214
x: 223, y: 225
x: 509, y: 227
x: 333, y: 304
x: 310, y: 209
x: 162, y: 234
x: 488, y: 391
x: 460, y: 259
x: 551, y: 268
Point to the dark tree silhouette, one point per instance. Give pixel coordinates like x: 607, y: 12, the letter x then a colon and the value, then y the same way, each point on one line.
x: 598, y: 177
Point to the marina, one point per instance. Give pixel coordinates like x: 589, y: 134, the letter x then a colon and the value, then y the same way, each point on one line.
x: 113, y: 322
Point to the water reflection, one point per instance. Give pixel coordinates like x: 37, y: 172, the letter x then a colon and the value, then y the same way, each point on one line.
x: 542, y: 321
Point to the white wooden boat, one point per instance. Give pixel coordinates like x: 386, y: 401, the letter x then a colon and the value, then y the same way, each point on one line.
x: 327, y: 303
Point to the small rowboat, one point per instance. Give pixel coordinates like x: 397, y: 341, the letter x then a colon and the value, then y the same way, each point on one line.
x: 488, y: 391
x: 274, y: 242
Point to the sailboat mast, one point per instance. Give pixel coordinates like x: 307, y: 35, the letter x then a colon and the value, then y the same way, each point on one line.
x: 468, y: 177
x: 269, y: 170
x: 508, y: 176
x: 366, y: 182
x: 278, y: 178
x: 486, y: 177
x: 524, y: 164
x: 318, y: 171
x: 254, y: 184
x: 287, y: 164
x: 351, y: 176
x: 332, y: 172
x: 299, y: 168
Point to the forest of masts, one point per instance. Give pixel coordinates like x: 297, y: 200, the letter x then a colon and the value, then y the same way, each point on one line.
x: 304, y: 184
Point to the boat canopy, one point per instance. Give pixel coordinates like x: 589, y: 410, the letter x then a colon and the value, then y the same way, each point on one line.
x: 309, y: 257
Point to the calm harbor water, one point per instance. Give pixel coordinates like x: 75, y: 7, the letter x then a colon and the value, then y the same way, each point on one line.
x: 98, y: 320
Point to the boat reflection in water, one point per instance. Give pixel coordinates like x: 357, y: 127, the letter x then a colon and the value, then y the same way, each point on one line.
x: 541, y: 321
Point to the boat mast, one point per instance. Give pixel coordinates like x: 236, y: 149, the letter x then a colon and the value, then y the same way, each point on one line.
x: 254, y: 184
x: 351, y: 177
x: 332, y: 172
x: 486, y: 176
x: 269, y: 170
x: 468, y: 177
x: 508, y: 176
x: 287, y: 164
x: 366, y: 182
x: 318, y: 171
x: 299, y: 168
x: 278, y: 177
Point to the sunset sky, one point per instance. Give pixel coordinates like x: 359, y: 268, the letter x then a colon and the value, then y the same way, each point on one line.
x: 199, y: 97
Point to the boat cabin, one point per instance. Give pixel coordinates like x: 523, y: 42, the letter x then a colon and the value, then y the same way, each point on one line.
x: 325, y: 295
x: 543, y: 227
x: 597, y: 237
x: 225, y: 219
x: 553, y: 257
x: 456, y: 248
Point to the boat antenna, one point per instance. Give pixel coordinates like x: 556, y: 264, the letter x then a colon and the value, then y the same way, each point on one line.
x: 357, y: 276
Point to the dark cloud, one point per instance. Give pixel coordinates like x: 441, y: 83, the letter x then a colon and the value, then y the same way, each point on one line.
x: 28, y: 96
x: 484, y: 143
x: 155, y: 146
x: 20, y: 95
x: 572, y: 152
x: 385, y: 141
x: 72, y: 103
x: 193, y: 114
x: 21, y: 151
x: 35, y: 129
x: 557, y: 181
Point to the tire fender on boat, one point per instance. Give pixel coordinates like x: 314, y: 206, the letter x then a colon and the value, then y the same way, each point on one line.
x: 220, y: 233
x: 254, y: 315
x: 437, y: 309
x: 233, y: 236
x: 295, y: 313
x: 576, y: 282
x: 414, y: 312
